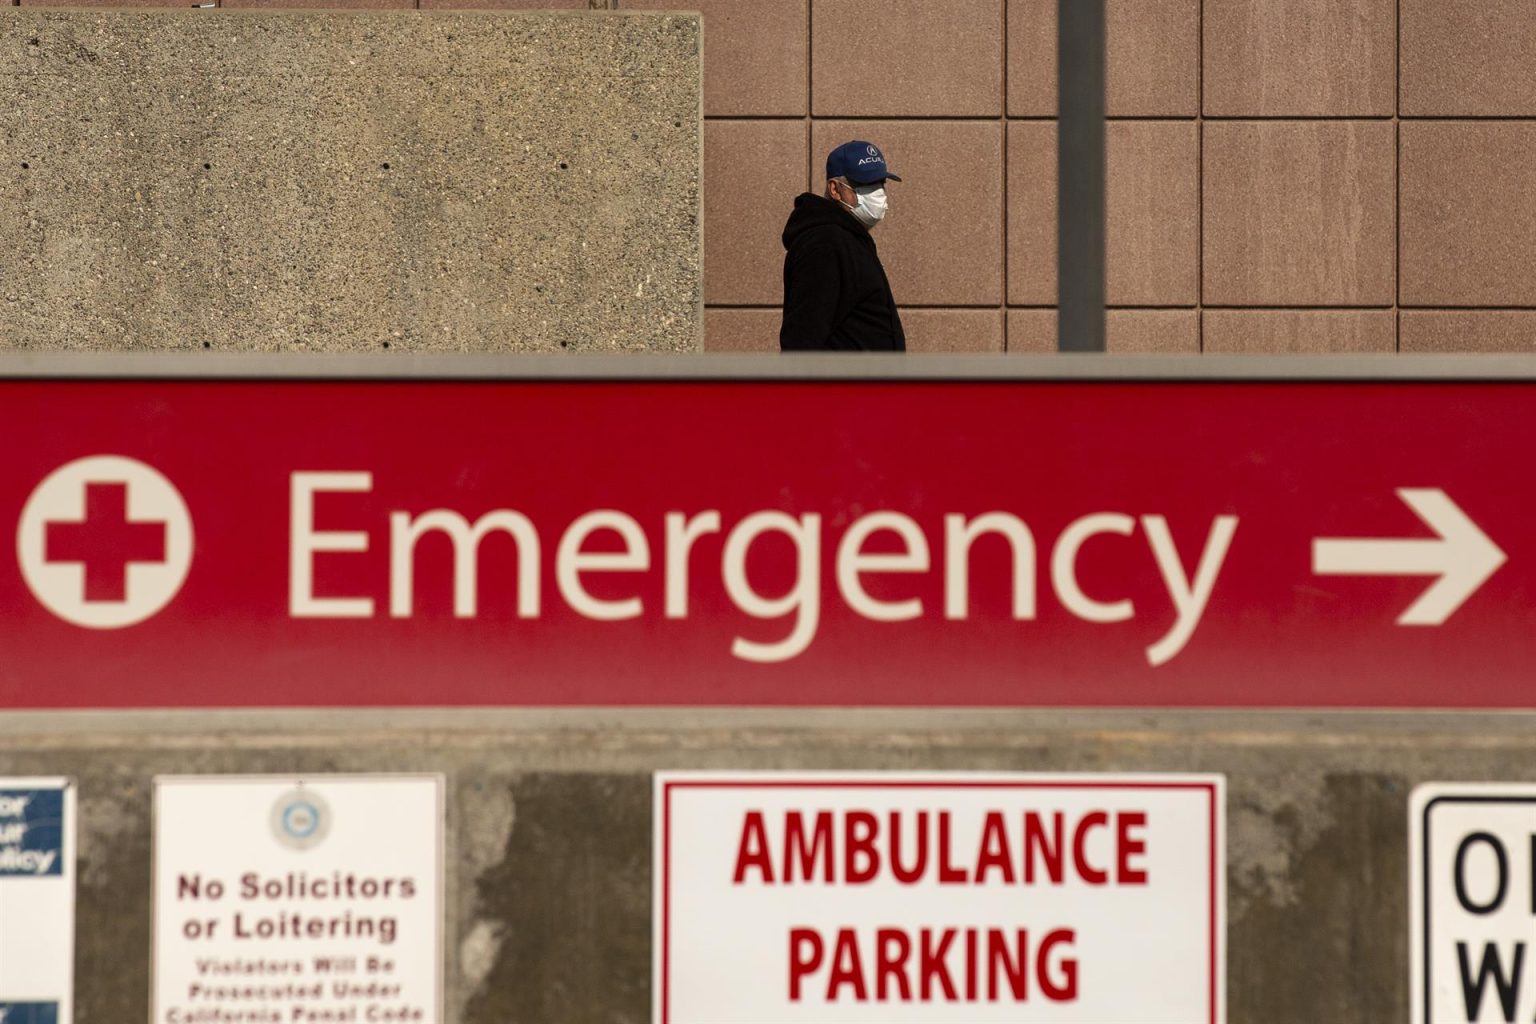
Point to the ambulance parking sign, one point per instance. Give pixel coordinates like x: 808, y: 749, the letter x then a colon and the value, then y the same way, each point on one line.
x: 812, y: 898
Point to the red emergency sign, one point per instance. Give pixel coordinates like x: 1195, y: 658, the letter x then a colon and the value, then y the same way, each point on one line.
x: 200, y: 543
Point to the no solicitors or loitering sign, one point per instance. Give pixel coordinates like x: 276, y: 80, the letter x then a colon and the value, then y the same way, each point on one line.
x: 287, y: 542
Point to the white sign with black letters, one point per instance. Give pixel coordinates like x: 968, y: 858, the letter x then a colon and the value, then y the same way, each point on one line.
x: 939, y: 898
x: 298, y: 900
x: 37, y: 900
x: 1472, y: 893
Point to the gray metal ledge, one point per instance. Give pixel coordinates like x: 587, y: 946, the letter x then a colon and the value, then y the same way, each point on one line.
x: 765, y: 367
x: 1433, y: 728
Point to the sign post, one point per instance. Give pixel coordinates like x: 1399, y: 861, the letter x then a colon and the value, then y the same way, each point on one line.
x: 37, y: 901
x: 302, y: 900
x: 814, y: 898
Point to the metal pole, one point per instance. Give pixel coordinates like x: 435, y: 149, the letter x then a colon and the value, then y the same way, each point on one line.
x: 1080, y: 175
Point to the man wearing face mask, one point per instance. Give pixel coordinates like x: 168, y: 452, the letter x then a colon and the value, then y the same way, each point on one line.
x: 836, y: 296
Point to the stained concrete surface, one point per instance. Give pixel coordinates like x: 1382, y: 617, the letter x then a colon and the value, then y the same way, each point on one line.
x: 350, y: 181
x: 550, y: 826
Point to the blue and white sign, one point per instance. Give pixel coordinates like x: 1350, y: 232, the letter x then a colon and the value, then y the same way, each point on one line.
x: 37, y: 900
x: 29, y: 1013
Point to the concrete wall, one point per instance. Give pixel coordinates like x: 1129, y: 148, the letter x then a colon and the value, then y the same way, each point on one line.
x: 550, y: 827
x: 349, y: 182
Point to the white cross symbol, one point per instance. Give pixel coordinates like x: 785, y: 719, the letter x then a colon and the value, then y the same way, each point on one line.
x: 105, y: 542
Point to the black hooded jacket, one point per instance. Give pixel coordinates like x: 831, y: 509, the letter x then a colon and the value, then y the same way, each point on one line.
x: 836, y: 296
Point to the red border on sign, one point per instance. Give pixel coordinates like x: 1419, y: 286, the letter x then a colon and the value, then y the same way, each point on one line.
x: 666, y: 848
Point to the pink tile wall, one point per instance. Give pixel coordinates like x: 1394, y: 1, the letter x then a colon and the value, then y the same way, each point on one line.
x: 907, y: 58
x: 1283, y: 175
x: 923, y: 80
x: 1152, y: 211
x: 1302, y: 58
x: 942, y: 241
x: 750, y: 167
x: 1469, y: 220
x: 491, y: 5
x: 1467, y: 59
x: 756, y: 54
x: 962, y: 97
x: 1153, y: 62
x: 1299, y: 213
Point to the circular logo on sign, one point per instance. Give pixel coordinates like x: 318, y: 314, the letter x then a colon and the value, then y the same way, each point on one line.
x: 104, y: 542
x: 300, y: 819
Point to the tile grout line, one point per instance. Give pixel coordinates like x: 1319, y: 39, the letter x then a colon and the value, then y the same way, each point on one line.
x: 806, y: 118
x: 1200, y: 176
x: 1397, y: 185
x: 1051, y: 119
x: 1005, y: 131
x: 1145, y: 308
x: 810, y: 88
x: 1441, y: 307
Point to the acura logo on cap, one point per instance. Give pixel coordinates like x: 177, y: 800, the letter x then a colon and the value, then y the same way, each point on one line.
x: 873, y: 151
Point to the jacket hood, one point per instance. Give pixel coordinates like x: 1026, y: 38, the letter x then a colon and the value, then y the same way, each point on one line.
x: 812, y: 211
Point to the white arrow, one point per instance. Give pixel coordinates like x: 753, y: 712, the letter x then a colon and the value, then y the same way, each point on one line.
x: 1462, y: 556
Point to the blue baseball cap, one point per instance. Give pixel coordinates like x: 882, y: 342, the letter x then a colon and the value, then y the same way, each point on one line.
x: 859, y: 162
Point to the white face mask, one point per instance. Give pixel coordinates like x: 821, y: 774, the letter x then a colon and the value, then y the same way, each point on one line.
x: 872, y: 204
